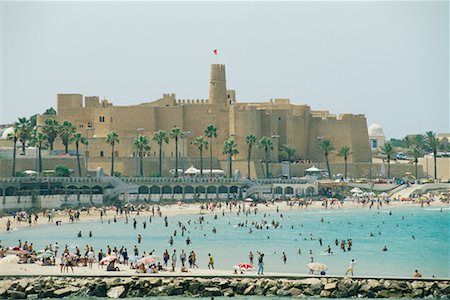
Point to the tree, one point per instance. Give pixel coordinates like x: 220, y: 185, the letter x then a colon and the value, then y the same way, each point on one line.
x: 39, y: 140
x: 112, y: 139
x: 210, y: 132
x: 24, y: 128
x: 407, y: 142
x: 50, y: 128
x: 50, y: 112
x: 415, y: 152
x: 230, y: 148
x: 251, y: 141
x: 266, y: 144
x: 433, y: 144
x: 141, y: 144
x: 14, y: 137
x: 387, y: 150
x: 201, y: 144
x: 326, y: 146
x: 66, y: 131
x: 62, y: 171
x: 345, y: 152
x: 78, y: 139
x: 176, y: 134
x: 418, y: 141
x: 160, y: 137
x: 288, y: 153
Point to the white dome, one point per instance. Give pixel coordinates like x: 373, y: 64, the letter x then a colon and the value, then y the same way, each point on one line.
x: 376, y: 130
x: 6, y: 132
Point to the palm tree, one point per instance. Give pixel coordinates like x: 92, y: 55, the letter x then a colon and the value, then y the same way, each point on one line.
x: 327, y: 146
x: 14, y: 136
x: 66, y: 131
x: 433, y: 144
x: 251, y: 141
x: 112, y: 138
x: 50, y: 128
x: 387, y: 150
x: 266, y: 144
x: 201, y: 144
x: 24, y: 129
x: 407, y: 142
x: 38, y: 140
x: 418, y: 141
x: 160, y: 137
x: 210, y: 132
x: 176, y: 134
x: 78, y: 139
x: 230, y: 148
x: 345, y: 152
x: 141, y: 144
x: 415, y: 153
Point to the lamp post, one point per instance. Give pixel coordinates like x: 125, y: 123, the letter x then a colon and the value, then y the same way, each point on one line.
x: 318, y: 151
x: 36, y: 147
x: 136, y: 151
x: 87, y: 151
x: 275, y: 136
x: 185, y: 134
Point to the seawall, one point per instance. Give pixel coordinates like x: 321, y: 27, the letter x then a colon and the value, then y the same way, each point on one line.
x: 146, y: 286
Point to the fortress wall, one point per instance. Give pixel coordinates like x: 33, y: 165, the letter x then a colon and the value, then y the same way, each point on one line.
x: 359, y: 137
x: 247, y: 121
x: 298, y: 131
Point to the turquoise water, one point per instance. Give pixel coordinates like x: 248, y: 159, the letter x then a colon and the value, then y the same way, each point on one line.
x: 428, y: 252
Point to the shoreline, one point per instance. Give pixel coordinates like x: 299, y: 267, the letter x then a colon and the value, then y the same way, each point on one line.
x: 171, y: 210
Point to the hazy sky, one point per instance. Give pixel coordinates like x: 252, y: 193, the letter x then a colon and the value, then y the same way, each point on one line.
x: 388, y: 60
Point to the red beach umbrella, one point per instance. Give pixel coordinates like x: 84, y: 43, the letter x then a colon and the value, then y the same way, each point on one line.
x: 244, y: 267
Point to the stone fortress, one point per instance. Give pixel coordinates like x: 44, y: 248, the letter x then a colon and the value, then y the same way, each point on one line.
x: 296, y: 125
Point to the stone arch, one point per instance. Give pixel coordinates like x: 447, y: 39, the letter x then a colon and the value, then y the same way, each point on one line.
x: 10, y: 191
x: 234, y: 189
x: 143, y: 189
x: 72, y: 189
x: 97, y: 190
x: 189, y: 190
x: 310, y: 190
x: 155, y: 190
x: 278, y: 190
x: 289, y: 190
x: 223, y: 189
x: 166, y: 190
x: 200, y: 190
x: 178, y: 190
x: 211, y: 190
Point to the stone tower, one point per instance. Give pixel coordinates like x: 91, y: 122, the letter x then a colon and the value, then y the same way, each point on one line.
x: 218, y: 85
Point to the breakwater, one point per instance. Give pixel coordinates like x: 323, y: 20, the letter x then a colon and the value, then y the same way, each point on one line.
x: 120, y: 287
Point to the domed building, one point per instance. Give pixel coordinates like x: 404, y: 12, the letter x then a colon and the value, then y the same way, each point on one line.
x: 5, y: 132
x: 376, y: 136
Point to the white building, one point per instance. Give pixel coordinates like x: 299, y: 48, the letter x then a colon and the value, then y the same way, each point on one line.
x: 376, y: 136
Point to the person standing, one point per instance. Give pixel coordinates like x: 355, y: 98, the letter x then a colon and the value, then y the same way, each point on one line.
x: 284, y: 258
x: 261, y: 263
x: 211, y: 261
x: 90, y: 257
x: 350, y: 267
x: 174, y: 260
x: 183, y: 257
x: 250, y: 257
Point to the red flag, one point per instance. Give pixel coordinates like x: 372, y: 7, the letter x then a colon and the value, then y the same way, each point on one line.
x: 215, y: 51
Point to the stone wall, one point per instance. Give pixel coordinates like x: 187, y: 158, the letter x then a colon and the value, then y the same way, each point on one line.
x: 119, y: 287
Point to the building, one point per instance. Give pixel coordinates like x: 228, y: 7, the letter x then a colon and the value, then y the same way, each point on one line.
x: 296, y: 125
x: 376, y: 137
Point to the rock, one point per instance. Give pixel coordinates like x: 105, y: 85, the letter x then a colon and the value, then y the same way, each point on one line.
x: 99, y: 290
x: 22, y: 285
x: 339, y: 294
x: 30, y: 290
x: 174, y: 290
x: 330, y: 286
x: 2, y: 292
x: 310, y: 281
x: 65, y: 291
x: 32, y: 296
x: 211, y: 292
x: 249, y: 290
x: 309, y: 292
x: 417, y: 293
x: 17, y: 295
x: 45, y: 293
x: 283, y: 293
x: 228, y: 292
x: 295, y: 291
x: 194, y: 287
x: 445, y: 289
x: 325, y: 294
x: 116, y: 292
x: 353, y: 289
x: 374, y: 285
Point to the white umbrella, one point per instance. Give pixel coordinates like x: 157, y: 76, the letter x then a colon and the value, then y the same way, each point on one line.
x: 356, y: 190
x: 248, y: 200
x: 10, y: 259
x: 384, y: 195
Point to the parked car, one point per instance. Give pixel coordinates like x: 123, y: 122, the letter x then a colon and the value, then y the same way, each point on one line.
x: 401, y: 156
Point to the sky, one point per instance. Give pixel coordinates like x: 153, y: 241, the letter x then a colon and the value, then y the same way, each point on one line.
x: 387, y: 60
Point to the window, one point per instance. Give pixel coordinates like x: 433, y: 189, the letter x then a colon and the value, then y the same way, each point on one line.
x: 101, y: 154
x: 90, y: 124
x: 110, y: 119
x: 374, y: 144
x: 101, y: 119
x: 116, y: 153
x: 81, y: 125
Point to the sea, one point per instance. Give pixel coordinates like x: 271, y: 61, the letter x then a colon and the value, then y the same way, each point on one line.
x: 415, y: 238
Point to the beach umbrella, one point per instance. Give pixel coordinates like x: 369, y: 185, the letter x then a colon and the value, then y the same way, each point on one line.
x: 180, y: 203
x: 45, y: 254
x: 384, y: 195
x: 16, y: 251
x: 248, y: 200
x: 108, y: 259
x: 147, y: 260
x: 244, y: 267
x: 10, y: 259
x: 317, y: 267
x: 356, y: 190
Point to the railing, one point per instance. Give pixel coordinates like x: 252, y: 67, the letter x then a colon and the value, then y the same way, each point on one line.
x: 47, y: 179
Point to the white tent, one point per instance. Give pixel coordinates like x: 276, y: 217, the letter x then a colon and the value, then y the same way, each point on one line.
x: 192, y: 171
x: 313, y: 169
x: 356, y: 190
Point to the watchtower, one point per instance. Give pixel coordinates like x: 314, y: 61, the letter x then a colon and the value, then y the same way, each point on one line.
x: 218, y: 85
